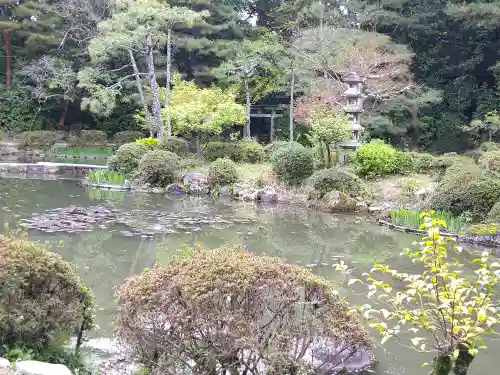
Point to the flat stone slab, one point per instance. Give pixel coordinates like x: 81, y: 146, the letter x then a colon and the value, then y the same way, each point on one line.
x: 4, y: 362
x: 40, y: 368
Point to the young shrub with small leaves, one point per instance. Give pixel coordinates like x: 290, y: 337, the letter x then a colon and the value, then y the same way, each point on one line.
x: 151, y: 143
x: 339, y: 179
x: 174, y: 144
x: 248, y: 151
x: 293, y: 163
x: 494, y: 214
x: 403, y: 163
x: 217, y: 150
x: 423, y: 162
x: 127, y: 136
x: 38, y: 139
x: 92, y: 138
x: 211, y: 309
x: 127, y: 157
x: 222, y: 172
x: 158, y: 168
x: 491, y: 161
x: 450, y: 308
x: 375, y: 159
x: 40, y: 296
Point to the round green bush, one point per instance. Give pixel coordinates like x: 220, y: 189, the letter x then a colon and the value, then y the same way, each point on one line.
x: 403, y: 163
x: 222, y: 172
x: 38, y: 139
x: 127, y: 157
x: 337, y: 178
x: 158, y: 168
x: 293, y: 163
x: 489, y: 146
x: 252, y: 297
x: 217, y: 150
x: 92, y: 138
x: 465, y: 188
x: 491, y: 161
x: 176, y: 145
x: 40, y: 296
x: 248, y: 151
x: 423, y: 162
x: 374, y: 159
x: 127, y: 136
x: 494, y: 214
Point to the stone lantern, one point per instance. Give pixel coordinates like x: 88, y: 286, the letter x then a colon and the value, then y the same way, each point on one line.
x: 354, y: 107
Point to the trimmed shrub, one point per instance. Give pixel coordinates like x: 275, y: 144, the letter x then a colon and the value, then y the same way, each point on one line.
x: 403, y: 162
x: 465, y: 188
x: 253, y: 298
x: 127, y: 157
x: 491, y: 161
x: 423, y: 162
x: 127, y: 136
x: 494, y: 214
x: 151, y: 143
x: 248, y: 151
x: 176, y: 145
x: 158, y: 168
x: 489, y: 146
x: 38, y: 138
x: 222, y: 172
x: 40, y: 296
x: 374, y: 159
x: 92, y: 138
x: 217, y: 150
x: 337, y: 179
x: 293, y: 163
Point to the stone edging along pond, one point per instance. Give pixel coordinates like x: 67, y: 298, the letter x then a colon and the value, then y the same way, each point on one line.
x: 47, y: 167
x: 491, y: 240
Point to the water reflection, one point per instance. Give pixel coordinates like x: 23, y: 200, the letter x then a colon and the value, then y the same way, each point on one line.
x: 105, y: 257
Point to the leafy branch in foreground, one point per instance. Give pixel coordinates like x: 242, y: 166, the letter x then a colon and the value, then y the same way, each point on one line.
x: 447, y: 310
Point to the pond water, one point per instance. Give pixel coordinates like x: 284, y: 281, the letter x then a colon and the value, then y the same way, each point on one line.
x: 105, y: 257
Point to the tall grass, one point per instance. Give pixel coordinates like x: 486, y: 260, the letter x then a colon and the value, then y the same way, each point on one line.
x: 412, y: 219
x: 104, y: 176
x: 85, y: 151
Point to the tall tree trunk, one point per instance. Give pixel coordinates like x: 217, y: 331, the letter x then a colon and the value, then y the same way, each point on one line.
x: 292, y: 92
x: 463, y: 361
x: 246, y: 127
x: 154, y: 90
x: 64, y: 112
x: 198, y: 147
x: 328, y: 155
x: 167, y: 86
x: 8, y: 58
x: 138, y: 83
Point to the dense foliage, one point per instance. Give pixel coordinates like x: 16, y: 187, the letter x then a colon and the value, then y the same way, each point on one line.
x: 127, y: 157
x: 375, y: 158
x: 248, y: 151
x: 158, y: 168
x: 339, y: 179
x: 189, y: 299
x: 40, y: 296
x: 293, y: 163
x: 173, y: 144
x: 126, y: 136
x: 222, y: 172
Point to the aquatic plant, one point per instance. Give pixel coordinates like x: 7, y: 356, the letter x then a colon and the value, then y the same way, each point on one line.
x: 203, y: 302
x: 449, y: 311
x: 106, y: 195
x: 105, y: 176
x: 413, y: 219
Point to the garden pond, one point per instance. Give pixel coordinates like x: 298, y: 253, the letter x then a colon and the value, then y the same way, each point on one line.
x: 133, y: 231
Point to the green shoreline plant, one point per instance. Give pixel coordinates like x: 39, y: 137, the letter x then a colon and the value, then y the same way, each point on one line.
x: 447, y: 310
x: 105, y: 176
x: 413, y: 219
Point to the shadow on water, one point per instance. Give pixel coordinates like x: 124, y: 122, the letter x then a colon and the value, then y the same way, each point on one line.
x: 106, y: 257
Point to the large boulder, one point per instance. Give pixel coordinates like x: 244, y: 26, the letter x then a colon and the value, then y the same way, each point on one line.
x: 40, y: 368
x: 337, y: 201
x: 267, y: 195
x: 4, y: 362
x: 196, y: 183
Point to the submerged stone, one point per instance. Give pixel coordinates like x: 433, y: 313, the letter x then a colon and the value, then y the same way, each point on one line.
x: 196, y: 183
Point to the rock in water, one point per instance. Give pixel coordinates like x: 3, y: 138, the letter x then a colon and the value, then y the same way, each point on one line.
x: 4, y: 362
x: 196, y: 183
x: 175, y: 189
x: 41, y: 368
x: 267, y: 195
